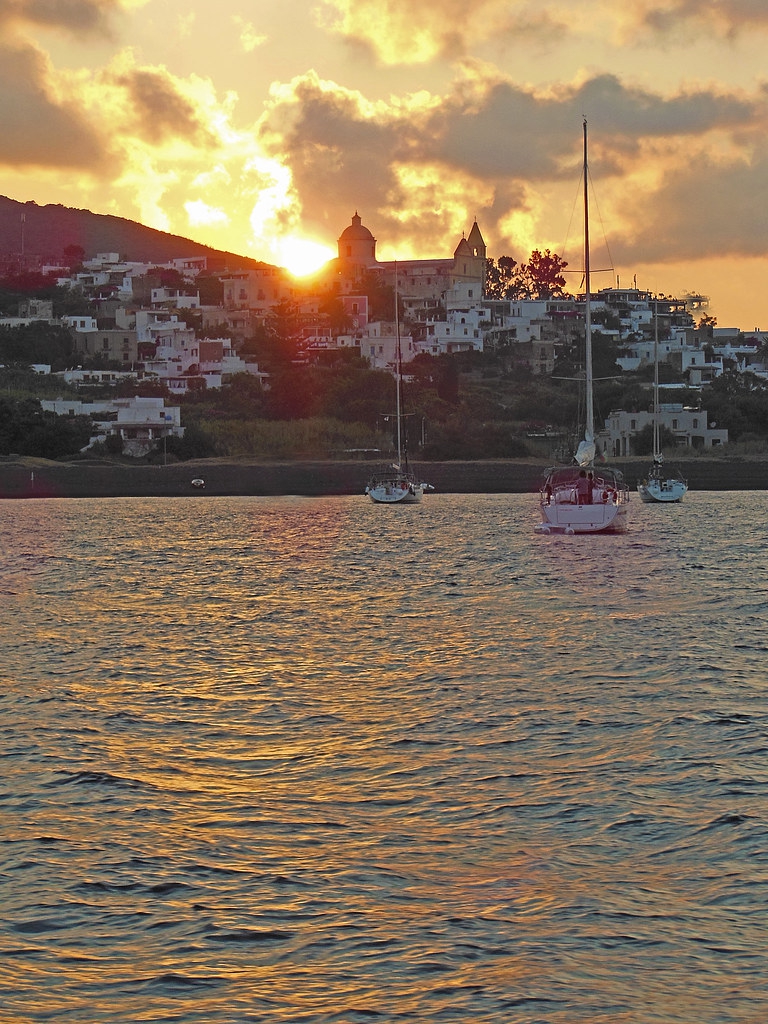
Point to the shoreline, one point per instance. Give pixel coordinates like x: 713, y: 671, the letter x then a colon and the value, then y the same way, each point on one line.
x: 40, y: 478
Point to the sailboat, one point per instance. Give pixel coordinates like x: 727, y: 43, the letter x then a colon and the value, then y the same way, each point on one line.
x: 397, y: 484
x: 665, y: 485
x: 585, y: 497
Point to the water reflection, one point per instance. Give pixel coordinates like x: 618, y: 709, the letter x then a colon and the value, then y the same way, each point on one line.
x: 309, y: 760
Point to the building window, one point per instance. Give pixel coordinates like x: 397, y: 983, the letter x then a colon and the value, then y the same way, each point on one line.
x: 674, y: 424
x: 695, y: 423
x: 633, y: 424
x: 105, y: 344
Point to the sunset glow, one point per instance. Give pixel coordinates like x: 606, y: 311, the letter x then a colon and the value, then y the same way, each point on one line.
x: 301, y: 256
x: 261, y: 136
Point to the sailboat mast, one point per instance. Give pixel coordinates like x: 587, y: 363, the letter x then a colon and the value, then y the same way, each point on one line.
x: 656, y: 445
x: 398, y: 370
x: 590, y: 412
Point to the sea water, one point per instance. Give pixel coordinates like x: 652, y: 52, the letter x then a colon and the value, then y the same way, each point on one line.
x: 317, y: 760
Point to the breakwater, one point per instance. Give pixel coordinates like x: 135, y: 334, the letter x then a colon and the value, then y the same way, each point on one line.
x: 38, y: 478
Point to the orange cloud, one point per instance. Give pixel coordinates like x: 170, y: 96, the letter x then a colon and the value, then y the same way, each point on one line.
x: 404, y: 32
x: 159, y: 109
x: 424, y: 167
x: 72, y: 15
x: 726, y: 17
x: 39, y: 128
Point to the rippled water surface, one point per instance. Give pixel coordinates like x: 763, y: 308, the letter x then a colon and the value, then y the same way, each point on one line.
x: 316, y: 760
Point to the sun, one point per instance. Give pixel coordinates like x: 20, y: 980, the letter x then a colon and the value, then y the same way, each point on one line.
x: 300, y: 256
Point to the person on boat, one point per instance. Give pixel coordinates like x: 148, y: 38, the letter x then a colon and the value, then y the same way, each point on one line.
x: 591, y: 487
x: 548, y: 493
x: 583, y: 489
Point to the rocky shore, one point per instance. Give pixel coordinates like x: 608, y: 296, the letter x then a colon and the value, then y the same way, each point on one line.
x: 38, y: 478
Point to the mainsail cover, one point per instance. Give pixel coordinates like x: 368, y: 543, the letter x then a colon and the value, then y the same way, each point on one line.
x: 585, y: 453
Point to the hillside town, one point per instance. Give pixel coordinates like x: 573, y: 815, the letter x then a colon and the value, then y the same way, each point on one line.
x: 150, y: 322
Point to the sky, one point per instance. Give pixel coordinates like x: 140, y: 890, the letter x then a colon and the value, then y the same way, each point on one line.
x: 261, y: 127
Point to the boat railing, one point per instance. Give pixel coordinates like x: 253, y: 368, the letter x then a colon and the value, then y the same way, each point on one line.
x: 568, y: 495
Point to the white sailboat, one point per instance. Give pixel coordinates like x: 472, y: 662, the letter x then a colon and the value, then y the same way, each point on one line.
x: 584, y: 497
x: 660, y: 485
x: 397, y: 484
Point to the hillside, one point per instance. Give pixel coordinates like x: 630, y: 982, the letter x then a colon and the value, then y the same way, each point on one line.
x: 48, y: 230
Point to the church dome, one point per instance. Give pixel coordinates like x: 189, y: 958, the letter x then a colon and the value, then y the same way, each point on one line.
x: 356, y: 231
x: 357, y: 246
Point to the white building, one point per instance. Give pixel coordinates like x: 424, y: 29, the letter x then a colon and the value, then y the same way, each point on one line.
x: 183, y: 363
x: 170, y: 298
x: 462, y: 330
x: 161, y: 327
x: 139, y: 422
x: 379, y: 346
x: 81, y: 324
x: 88, y: 378
x: 690, y: 427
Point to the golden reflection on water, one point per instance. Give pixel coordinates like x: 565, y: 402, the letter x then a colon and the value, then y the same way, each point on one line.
x: 311, y: 760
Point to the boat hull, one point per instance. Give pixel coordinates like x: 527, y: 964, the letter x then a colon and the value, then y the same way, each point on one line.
x: 661, y: 491
x: 596, y: 518
x: 396, y: 491
x: 575, y: 500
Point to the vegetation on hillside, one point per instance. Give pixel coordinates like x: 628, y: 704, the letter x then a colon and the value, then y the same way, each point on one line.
x: 473, y: 405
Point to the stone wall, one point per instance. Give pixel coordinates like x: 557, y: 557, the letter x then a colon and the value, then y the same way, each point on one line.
x: 30, y: 478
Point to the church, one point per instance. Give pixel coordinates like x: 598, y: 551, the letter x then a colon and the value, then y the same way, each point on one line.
x: 420, y: 283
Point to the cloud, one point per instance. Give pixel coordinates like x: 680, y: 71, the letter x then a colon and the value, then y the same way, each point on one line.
x: 159, y: 109
x: 404, y: 32
x: 73, y: 15
x: 43, y: 124
x: 426, y: 166
x: 38, y: 128
x: 680, y: 172
x: 702, y: 208
x: 726, y: 17
x: 200, y: 213
x: 250, y: 38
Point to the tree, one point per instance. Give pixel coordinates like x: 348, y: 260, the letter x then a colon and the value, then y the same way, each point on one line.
x: 211, y: 290
x: 540, y: 278
x: 37, y: 342
x: 195, y: 444
x: 500, y: 277
x: 73, y: 257
x: 339, y: 320
x: 282, y: 328
x: 706, y: 326
x: 242, y: 396
x: 381, y: 296
x: 642, y: 441
x: 27, y: 430
x: 543, y: 275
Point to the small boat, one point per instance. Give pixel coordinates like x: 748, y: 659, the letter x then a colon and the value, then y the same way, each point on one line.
x: 660, y: 485
x: 584, y: 497
x: 397, y: 484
